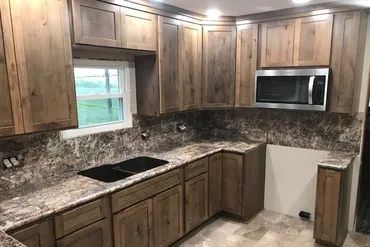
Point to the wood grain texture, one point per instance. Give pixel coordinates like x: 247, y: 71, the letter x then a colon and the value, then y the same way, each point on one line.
x: 37, y: 235
x: 96, y: 23
x: 168, y: 216
x: 277, y: 42
x: 134, y: 226
x: 196, y: 168
x: 44, y: 63
x: 215, y: 184
x: 246, y: 65
x: 312, y: 40
x: 139, y: 30
x: 219, y: 51
x: 168, y: 55
x: 196, y: 201
x: 191, y: 66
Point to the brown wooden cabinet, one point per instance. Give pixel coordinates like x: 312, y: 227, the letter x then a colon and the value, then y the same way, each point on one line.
x: 168, y: 217
x: 312, y: 41
x: 277, y: 42
x: 44, y: 63
x: 38, y: 235
x: 196, y: 201
x: 246, y: 64
x: 332, y: 206
x: 214, y: 184
x: 347, y: 58
x: 219, y: 51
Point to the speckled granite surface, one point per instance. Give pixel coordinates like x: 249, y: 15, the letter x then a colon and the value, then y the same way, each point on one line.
x: 337, y: 160
x: 8, y: 241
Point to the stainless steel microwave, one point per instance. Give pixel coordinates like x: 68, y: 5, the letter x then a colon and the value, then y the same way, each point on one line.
x: 298, y: 89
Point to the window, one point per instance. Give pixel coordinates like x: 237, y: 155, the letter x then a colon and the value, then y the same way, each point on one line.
x: 103, y: 90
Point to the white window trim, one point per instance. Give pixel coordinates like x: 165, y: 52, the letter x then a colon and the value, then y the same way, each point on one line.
x: 128, y: 86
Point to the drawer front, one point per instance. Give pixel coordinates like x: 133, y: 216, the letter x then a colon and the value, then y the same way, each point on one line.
x: 144, y: 190
x: 81, y: 217
x: 196, y: 168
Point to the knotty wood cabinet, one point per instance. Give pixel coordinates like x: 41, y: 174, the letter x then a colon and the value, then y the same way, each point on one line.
x: 214, y: 184
x: 332, y: 206
x: 219, y: 51
x: 246, y: 64
x: 37, y: 235
x: 347, y: 58
x: 44, y: 63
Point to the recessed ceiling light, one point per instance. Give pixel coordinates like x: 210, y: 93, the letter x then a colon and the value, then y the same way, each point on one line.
x: 300, y: 1
x: 213, y: 14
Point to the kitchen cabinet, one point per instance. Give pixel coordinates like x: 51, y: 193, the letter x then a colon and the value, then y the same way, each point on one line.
x: 11, y: 121
x: 214, y: 184
x: 37, y: 235
x: 169, y: 82
x: 312, y: 41
x: 246, y: 64
x: 347, y: 58
x: 44, y: 63
x: 133, y: 226
x: 168, y: 217
x: 277, y: 42
x: 332, y: 206
x: 219, y: 51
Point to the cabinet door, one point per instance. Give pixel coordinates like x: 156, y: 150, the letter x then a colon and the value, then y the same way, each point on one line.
x: 169, y: 37
x: 246, y: 64
x: 196, y: 201
x: 39, y: 235
x: 232, y: 183
x: 11, y: 121
x: 44, y: 62
x: 139, y: 30
x: 215, y: 184
x: 133, y: 226
x: 98, y: 234
x: 168, y: 217
x: 347, y: 59
x: 277, y: 40
x: 191, y: 66
x: 219, y: 66
x: 96, y: 23
x: 312, y: 42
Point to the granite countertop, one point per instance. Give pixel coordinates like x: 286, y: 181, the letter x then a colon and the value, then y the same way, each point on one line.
x: 8, y: 241
x: 337, y: 160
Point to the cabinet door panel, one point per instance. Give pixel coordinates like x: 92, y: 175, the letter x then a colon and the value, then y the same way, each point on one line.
x: 191, y: 66
x: 215, y: 184
x: 96, y: 23
x: 44, y: 62
x: 219, y: 48
x: 39, y: 235
x: 168, y: 216
x: 277, y: 40
x: 139, y: 30
x: 246, y: 64
x: 169, y: 36
x: 232, y: 183
x: 196, y: 201
x: 133, y: 226
x: 312, y: 45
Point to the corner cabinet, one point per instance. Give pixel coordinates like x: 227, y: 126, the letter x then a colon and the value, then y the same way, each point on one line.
x: 37, y: 235
x: 219, y: 51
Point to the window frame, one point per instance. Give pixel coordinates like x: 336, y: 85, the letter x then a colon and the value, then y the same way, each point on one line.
x: 126, y: 74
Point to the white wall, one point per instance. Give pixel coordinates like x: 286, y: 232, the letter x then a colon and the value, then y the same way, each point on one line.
x: 291, y: 175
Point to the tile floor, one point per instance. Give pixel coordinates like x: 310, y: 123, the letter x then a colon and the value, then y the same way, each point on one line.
x: 267, y: 229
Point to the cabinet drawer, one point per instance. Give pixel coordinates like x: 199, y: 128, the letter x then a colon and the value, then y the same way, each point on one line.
x: 144, y: 190
x: 196, y: 168
x: 81, y: 217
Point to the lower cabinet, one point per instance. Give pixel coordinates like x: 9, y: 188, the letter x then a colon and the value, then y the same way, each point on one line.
x: 38, y: 235
x: 214, y: 184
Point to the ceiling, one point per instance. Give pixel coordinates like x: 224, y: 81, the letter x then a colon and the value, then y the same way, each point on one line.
x: 242, y: 7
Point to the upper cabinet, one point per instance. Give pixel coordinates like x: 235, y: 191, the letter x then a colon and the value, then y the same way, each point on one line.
x: 277, y: 42
x: 104, y: 24
x: 312, y: 42
x: 246, y: 63
x: 44, y: 63
x: 347, y: 58
x: 219, y: 50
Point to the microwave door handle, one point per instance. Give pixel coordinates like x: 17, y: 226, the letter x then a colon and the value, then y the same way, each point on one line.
x: 310, y: 90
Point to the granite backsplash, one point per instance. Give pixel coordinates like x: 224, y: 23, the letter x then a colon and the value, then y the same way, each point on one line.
x: 46, y: 155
